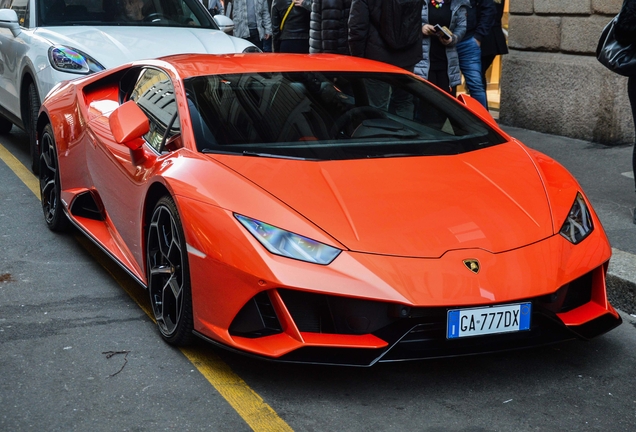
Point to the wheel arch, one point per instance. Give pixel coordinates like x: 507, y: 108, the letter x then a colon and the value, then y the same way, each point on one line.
x: 43, y: 120
x: 28, y: 77
x: 155, y: 192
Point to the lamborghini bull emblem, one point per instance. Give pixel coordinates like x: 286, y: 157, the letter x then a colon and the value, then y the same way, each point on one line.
x: 472, y: 265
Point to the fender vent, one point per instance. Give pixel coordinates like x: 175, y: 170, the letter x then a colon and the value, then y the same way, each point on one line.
x: 256, y: 319
x: 579, y: 292
x: 84, y: 205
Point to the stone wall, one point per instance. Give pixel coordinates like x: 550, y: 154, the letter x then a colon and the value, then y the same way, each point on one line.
x: 551, y: 81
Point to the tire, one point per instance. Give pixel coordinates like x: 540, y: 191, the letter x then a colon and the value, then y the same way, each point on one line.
x: 169, y: 274
x: 50, y: 189
x: 30, y: 123
x: 5, y: 126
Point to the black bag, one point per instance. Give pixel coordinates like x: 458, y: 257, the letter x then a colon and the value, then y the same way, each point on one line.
x: 401, y: 22
x: 613, y: 55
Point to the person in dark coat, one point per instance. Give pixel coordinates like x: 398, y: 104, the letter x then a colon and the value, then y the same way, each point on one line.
x: 494, y: 43
x: 366, y: 41
x: 625, y: 33
x: 329, y: 27
x: 293, y: 37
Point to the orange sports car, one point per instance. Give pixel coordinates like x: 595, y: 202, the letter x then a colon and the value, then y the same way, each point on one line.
x: 325, y: 209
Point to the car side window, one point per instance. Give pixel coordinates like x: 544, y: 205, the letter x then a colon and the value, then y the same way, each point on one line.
x: 154, y: 94
x: 21, y: 8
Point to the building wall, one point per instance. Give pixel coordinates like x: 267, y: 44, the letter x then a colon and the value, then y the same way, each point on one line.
x: 551, y: 81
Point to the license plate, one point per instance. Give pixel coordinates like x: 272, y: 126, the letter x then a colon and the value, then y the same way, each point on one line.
x: 488, y: 320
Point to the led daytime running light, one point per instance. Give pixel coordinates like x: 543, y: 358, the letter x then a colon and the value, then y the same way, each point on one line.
x: 578, y: 224
x: 287, y: 244
x: 70, y: 60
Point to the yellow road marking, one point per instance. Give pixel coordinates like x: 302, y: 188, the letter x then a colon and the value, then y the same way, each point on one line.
x: 20, y: 170
x: 245, y: 401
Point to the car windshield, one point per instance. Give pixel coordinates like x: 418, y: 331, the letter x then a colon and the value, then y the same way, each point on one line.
x: 330, y: 116
x: 165, y: 13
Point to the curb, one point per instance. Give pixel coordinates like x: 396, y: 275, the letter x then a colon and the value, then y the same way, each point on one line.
x: 621, y: 281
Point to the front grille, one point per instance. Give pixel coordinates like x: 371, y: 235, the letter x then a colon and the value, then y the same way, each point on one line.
x: 319, y: 313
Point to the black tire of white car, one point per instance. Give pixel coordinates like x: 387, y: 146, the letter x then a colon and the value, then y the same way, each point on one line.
x: 5, y: 126
x: 169, y: 274
x: 50, y: 191
x: 30, y: 123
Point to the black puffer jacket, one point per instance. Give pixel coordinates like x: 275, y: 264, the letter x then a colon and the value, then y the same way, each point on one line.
x: 365, y: 39
x: 329, y: 28
x: 296, y: 25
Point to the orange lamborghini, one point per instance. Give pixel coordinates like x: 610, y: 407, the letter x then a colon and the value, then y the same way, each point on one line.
x: 322, y: 209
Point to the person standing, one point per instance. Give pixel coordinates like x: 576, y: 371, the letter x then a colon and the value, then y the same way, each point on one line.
x: 440, y: 63
x: 481, y: 16
x: 625, y: 33
x: 494, y: 43
x: 216, y: 7
x: 290, y: 26
x: 329, y: 27
x: 267, y: 43
x: 374, y: 33
x: 251, y: 20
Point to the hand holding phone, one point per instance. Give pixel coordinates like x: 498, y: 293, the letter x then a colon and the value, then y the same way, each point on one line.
x: 443, y: 32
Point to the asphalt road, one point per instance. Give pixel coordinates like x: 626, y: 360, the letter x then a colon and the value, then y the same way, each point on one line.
x: 64, y: 308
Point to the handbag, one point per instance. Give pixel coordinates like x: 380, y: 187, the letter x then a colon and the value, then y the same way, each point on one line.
x: 282, y: 23
x: 615, y: 56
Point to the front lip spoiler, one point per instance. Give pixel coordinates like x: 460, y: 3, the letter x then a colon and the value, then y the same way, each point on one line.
x: 551, y: 331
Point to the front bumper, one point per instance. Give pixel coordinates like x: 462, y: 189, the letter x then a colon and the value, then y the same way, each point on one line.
x: 323, y: 329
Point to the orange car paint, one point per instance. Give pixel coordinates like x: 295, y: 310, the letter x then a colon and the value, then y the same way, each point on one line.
x: 411, y: 255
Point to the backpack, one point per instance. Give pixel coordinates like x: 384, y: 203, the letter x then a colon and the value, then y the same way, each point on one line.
x: 401, y: 22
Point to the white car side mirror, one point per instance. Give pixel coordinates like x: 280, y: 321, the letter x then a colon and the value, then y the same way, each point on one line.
x: 225, y: 23
x: 9, y: 20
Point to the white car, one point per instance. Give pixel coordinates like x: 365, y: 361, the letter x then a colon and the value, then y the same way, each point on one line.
x: 44, y: 42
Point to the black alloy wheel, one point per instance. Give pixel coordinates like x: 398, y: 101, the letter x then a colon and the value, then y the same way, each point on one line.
x: 30, y: 123
x: 50, y: 189
x: 168, y: 274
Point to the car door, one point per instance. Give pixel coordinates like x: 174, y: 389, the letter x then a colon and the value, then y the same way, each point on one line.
x: 120, y: 180
x: 12, y: 50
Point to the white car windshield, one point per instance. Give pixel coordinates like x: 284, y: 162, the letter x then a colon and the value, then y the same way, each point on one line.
x: 166, y: 13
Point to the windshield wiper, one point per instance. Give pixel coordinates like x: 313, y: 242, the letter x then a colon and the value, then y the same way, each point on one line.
x: 269, y: 155
x: 391, y: 155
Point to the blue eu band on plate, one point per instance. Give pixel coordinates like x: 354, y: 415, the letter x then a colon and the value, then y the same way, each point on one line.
x: 490, y: 320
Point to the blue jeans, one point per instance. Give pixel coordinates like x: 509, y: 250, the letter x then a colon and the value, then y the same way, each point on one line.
x: 267, y: 45
x: 470, y: 64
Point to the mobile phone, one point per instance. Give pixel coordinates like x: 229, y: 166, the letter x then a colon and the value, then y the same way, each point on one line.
x: 442, y: 32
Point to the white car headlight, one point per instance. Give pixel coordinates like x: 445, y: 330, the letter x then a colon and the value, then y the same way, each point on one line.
x: 252, y: 49
x: 70, y: 60
x: 578, y: 225
x: 287, y: 244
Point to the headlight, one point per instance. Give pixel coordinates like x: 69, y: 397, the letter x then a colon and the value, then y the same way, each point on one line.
x: 70, y: 60
x: 252, y: 49
x: 578, y: 225
x: 290, y: 245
